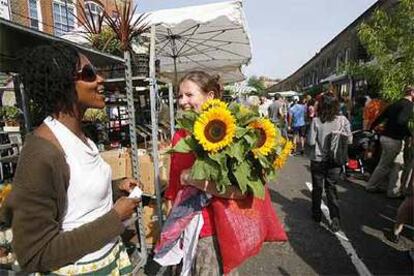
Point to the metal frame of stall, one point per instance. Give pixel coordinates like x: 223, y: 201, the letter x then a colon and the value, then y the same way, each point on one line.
x: 143, y: 254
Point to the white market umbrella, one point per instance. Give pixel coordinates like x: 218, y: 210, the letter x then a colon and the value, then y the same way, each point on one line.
x: 212, y: 37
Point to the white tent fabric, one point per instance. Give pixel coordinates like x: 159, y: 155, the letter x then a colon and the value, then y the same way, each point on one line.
x: 211, y: 37
x: 286, y: 93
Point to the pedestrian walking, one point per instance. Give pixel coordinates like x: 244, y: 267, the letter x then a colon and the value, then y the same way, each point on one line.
x: 277, y: 112
x: 393, y: 127
x: 325, y: 174
x: 297, y: 114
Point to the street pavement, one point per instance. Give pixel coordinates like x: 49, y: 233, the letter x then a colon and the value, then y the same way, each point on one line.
x: 313, y: 249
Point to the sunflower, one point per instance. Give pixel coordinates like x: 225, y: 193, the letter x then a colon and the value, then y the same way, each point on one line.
x: 283, y: 156
x: 213, y: 103
x: 267, y: 139
x: 215, y: 128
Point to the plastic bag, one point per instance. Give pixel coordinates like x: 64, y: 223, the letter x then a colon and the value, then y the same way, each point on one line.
x: 242, y: 226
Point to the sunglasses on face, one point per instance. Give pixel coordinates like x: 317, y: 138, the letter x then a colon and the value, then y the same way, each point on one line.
x: 87, y: 73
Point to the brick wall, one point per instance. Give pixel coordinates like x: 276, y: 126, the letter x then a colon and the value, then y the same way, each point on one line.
x: 20, y: 11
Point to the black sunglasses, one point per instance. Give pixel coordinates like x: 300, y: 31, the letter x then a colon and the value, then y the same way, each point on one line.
x: 87, y: 73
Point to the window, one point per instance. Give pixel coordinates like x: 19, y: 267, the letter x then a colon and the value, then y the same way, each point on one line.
x: 347, y: 55
x: 339, y: 62
x: 95, y: 9
x: 34, y: 17
x: 63, y: 16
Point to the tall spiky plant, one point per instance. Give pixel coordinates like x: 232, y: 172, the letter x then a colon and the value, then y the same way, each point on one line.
x: 124, y: 25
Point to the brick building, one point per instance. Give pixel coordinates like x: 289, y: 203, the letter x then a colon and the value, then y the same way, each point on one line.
x: 324, y: 69
x: 56, y: 16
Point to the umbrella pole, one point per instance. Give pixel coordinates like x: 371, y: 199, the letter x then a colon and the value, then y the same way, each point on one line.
x: 171, y: 104
x: 175, y: 75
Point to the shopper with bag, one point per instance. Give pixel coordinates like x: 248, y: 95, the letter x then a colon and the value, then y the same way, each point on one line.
x: 61, y: 206
x: 227, y: 218
x: 329, y: 135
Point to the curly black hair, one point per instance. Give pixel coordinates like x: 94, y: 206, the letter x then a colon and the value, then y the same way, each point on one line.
x: 48, y: 75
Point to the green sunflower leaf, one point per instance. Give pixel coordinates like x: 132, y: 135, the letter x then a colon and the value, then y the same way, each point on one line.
x: 205, y: 169
x: 241, y: 131
x: 186, y: 145
x: 256, y: 186
x: 264, y: 161
x: 186, y: 120
x: 251, y: 138
x: 237, y: 150
x: 242, y: 173
x: 271, y: 175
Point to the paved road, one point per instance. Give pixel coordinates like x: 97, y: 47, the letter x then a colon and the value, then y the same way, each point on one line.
x: 313, y: 249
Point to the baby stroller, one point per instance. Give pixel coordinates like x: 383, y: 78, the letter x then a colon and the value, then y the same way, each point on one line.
x: 363, y: 143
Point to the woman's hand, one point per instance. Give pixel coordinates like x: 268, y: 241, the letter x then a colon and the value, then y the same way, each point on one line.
x: 185, y: 177
x: 128, y: 185
x: 125, y: 207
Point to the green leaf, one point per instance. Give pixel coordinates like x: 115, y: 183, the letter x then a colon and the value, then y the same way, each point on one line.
x: 237, y: 150
x: 198, y: 171
x: 186, y: 145
x: 257, y: 187
x: 264, y: 161
x: 251, y: 138
x: 241, y: 131
x: 205, y: 169
x: 186, y: 120
x: 242, y: 173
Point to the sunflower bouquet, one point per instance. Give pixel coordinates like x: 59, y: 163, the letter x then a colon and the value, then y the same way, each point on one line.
x: 233, y: 146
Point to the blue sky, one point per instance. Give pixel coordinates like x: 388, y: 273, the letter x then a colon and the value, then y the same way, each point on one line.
x: 284, y: 33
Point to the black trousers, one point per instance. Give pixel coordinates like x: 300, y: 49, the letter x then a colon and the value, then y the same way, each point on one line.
x: 324, y: 174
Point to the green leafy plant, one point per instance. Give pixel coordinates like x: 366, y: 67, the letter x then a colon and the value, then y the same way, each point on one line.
x: 388, y: 38
x: 95, y: 115
x: 10, y: 114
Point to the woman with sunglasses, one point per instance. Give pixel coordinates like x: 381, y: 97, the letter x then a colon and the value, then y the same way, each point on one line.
x: 61, y: 207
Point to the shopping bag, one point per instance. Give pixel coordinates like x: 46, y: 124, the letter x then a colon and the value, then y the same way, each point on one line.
x: 242, y: 226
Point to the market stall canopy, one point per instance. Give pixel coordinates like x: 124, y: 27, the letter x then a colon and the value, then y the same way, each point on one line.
x: 286, y: 93
x: 16, y: 38
x: 211, y: 37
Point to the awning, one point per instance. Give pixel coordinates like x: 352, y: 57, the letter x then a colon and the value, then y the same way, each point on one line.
x: 16, y: 38
x: 286, y: 93
x: 334, y: 78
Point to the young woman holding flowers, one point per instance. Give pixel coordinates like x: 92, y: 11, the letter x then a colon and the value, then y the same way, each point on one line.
x: 214, y: 131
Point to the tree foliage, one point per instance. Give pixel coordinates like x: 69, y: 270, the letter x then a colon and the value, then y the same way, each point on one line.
x: 389, y: 39
x: 257, y: 83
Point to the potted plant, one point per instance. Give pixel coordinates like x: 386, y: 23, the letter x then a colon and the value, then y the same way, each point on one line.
x: 10, y: 116
x: 94, y: 125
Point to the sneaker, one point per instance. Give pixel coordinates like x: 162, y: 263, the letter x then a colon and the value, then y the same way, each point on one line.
x: 317, y: 218
x: 389, y: 235
x: 335, y: 226
x: 373, y: 189
x: 395, y: 196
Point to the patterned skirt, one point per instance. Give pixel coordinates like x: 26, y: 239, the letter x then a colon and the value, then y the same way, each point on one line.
x: 115, y: 262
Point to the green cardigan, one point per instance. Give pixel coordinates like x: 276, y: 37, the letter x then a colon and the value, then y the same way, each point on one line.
x: 35, y: 209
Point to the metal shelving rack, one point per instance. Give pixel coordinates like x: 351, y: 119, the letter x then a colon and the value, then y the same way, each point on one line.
x: 135, y: 130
